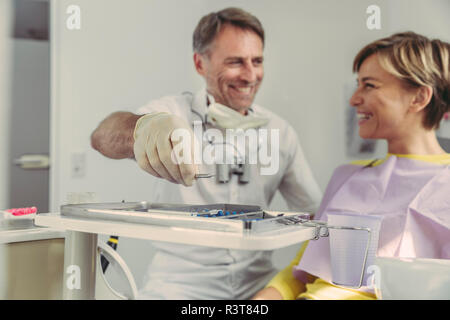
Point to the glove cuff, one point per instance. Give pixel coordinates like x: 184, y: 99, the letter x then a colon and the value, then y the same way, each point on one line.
x: 142, y: 121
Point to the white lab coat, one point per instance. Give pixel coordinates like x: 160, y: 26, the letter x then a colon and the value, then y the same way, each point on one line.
x: 197, y: 272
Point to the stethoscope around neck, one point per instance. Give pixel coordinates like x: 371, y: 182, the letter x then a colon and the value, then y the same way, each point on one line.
x: 224, y: 171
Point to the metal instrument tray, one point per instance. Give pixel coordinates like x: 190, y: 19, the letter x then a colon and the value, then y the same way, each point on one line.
x: 217, y: 217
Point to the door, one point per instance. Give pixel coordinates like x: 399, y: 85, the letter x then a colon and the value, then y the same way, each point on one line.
x: 30, y: 100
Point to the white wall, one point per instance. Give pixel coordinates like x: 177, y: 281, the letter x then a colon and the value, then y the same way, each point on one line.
x: 121, y: 58
x: 129, y: 52
x: 430, y: 18
x: 125, y: 55
x: 5, y: 98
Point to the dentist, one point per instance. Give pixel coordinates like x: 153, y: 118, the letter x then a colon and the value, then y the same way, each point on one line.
x: 228, y: 54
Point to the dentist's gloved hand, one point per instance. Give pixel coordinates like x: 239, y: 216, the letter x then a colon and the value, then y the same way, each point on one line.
x: 155, y: 137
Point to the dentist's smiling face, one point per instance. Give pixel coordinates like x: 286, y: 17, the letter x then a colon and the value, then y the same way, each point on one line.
x: 382, y: 103
x: 233, y: 67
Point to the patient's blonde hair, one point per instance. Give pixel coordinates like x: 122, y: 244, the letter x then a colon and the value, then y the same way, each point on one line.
x: 418, y: 61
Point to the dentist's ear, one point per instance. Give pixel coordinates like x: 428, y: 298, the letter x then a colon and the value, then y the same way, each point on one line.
x: 421, y: 98
x: 199, y: 62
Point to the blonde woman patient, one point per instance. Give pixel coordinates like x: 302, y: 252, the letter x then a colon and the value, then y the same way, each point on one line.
x: 402, y: 95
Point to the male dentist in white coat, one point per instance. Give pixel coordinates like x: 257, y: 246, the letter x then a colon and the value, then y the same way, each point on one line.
x: 228, y: 54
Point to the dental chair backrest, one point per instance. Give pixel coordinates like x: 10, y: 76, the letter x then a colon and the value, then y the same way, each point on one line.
x: 419, y: 279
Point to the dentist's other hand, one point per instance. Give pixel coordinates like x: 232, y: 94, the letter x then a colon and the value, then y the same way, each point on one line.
x: 155, y: 137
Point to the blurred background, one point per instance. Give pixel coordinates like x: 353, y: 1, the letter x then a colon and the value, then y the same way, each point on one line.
x: 57, y: 83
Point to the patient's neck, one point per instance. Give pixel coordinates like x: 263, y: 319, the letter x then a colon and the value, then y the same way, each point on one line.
x: 423, y: 142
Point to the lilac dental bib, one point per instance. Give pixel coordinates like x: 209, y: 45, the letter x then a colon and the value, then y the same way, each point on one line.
x: 413, y: 197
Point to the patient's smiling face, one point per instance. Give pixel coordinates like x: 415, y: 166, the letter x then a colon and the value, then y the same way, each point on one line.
x: 382, y: 102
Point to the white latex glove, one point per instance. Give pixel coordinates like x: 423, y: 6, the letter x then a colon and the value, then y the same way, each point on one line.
x: 153, y: 148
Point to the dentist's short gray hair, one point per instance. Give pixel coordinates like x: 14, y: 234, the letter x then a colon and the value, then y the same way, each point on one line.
x: 210, y: 25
